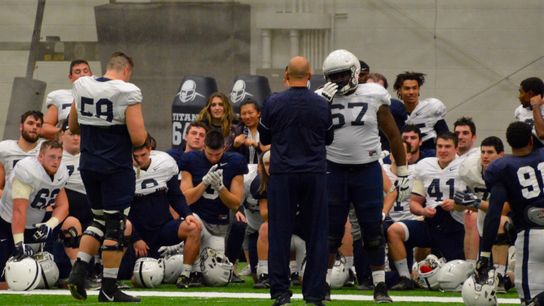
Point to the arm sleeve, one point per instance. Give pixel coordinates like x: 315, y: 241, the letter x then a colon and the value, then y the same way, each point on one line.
x: 441, y: 127
x: 493, y: 216
x: 176, y: 198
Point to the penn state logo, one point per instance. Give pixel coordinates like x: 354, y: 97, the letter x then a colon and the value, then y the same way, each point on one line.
x: 239, y: 93
x: 188, y: 92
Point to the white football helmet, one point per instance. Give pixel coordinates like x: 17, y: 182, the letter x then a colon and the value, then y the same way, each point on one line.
x: 50, y: 272
x: 147, y: 272
x: 172, y: 267
x: 427, y: 272
x: 485, y: 294
x: 453, y: 274
x: 340, y: 273
x: 342, y: 60
x: 216, y: 267
x: 22, y: 275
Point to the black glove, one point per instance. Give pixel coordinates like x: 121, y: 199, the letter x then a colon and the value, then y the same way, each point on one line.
x: 483, y: 266
x: 466, y: 198
x: 42, y: 232
x: 22, y: 250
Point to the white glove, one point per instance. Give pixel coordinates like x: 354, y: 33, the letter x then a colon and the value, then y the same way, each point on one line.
x: 402, y: 183
x: 217, y: 180
x: 171, y: 249
x: 207, y: 179
x: 329, y: 90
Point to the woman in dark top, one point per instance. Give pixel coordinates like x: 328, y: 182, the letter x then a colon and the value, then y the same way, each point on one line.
x: 246, y: 141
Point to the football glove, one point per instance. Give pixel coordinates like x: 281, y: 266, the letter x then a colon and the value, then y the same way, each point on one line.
x: 22, y: 250
x: 402, y: 183
x: 44, y: 230
x: 329, y: 90
x: 170, y: 250
x: 217, y: 180
x: 466, y: 198
x: 207, y: 179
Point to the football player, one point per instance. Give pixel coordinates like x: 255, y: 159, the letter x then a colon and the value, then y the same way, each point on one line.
x: 354, y: 174
x: 477, y: 196
x: 427, y: 114
x: 58, y: 102
x: 531, y: 91
x: 12, y: 151
x: 213, y: 184
x: 35, y: 184
x: 433, y: 190
x: 157, y: 190
x: 107, y: 112
x: 518, y: 179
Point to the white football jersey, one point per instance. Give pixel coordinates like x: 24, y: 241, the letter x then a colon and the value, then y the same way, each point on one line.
x: 440, y: 184
x: 11, y: 154
x: 44, y: 190
x: 162, y: 168
x: 426, y: 114
x: 471, y: 173
x: 103, y: 103
x: 525, y: 114
x: 401, y: 210
x: 355, y: 123
x: 62, y: 99
x: 470, y: 153
x: 75, y: 182
x: 252, y: 213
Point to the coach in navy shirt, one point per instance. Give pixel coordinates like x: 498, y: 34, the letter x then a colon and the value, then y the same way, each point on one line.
x: 298, y: 125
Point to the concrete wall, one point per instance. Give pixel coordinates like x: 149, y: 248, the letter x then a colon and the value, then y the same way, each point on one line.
x: 475, y: 52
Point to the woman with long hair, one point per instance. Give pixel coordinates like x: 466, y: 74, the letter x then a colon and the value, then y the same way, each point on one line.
x: 218, y: 115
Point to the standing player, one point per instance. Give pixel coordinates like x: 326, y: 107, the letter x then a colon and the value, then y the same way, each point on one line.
x: 107, y: 111
x: 518, y: 179
x: 58, y: 102
x: 36, y: 184
x: 427, y: 114
x: 212, y: 182
x: 12, y: 151
x: 354, y: 174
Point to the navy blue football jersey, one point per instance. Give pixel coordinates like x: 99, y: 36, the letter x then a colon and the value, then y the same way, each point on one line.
x: 522, y: 176
x: 209, y: 207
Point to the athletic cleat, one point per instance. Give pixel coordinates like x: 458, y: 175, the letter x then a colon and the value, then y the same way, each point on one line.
x: 76, y: 280
x: 235, y: 279
x: 283, y: 300
x: 262, y: 282
x: 246, y: 271
x: 183, y: 282
x: 404, y: 284
x: 196, y: 279
x: 295, y: 279
x: 327, y: 296
x: 381, y: 295
x: 351, y: 279
x: 117, y: 296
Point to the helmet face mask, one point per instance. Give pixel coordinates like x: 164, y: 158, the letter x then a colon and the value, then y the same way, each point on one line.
x: 342, y: 67
x: 475, y: 294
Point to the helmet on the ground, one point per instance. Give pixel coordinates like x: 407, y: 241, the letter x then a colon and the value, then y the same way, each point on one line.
x: 147, y: 272
x: 427, y: 272
x: 480, y: 294
x: 339, y: 274
x: 453, y: 274
x: 216, y: 267
x: 50, y: 271
x: 172, y: 267
x: 22, y: 275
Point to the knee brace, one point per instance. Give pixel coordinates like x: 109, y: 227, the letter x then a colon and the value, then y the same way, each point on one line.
x: 70, y: 238
x: 373, y: 237
x: 115, y: 228
x: 97, y: 227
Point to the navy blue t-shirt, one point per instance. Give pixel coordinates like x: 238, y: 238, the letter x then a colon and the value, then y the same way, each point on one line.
x: 105, y: 149
x: 298, y: 124
x: 209, y: 207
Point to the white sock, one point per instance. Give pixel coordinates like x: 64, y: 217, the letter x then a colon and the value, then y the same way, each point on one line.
x: 378, y: 277
x: 186, y: 270
x: 262, y: 267
x: 349, y: 262
x: 501, y: 269
x: 84, y: 256
x: 402, y: 268
x: 293, y: 266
